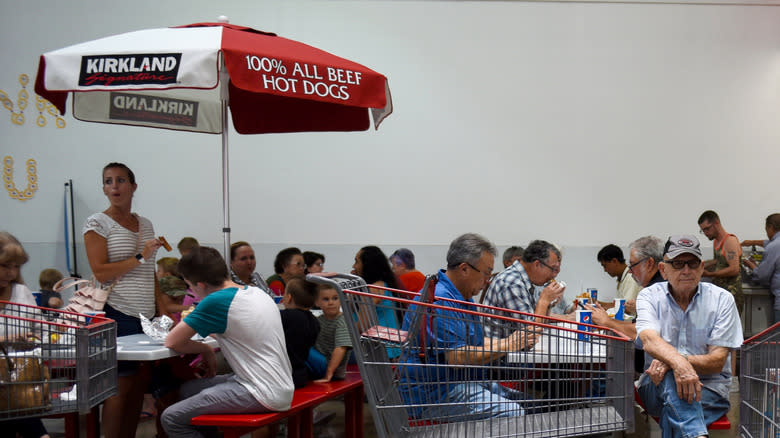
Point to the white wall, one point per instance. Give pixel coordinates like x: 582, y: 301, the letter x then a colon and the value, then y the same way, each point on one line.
x: 579, y: 123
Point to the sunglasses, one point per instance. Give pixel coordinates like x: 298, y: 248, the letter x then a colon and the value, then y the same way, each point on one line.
x: 679, y: 264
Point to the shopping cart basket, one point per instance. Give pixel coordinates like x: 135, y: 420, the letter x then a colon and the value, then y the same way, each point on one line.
x: 759, y: 385
x: 54, y: 362
x: 574, y: 380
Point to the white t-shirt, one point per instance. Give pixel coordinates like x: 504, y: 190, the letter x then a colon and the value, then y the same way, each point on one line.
x: 248, y: 327
x: 13, y: 328
x: 133, y: 293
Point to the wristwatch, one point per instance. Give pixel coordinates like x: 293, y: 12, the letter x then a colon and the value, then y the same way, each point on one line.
x: 140, y: 258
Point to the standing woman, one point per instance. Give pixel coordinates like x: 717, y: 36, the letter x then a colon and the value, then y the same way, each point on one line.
x: 12, y: 288
x: 242, y: 267
x: 287, y: 265
x: 121, y: 248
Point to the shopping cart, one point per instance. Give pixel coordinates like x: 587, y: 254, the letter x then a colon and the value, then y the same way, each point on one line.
x: 54, y: 362
x: 759, y: 385
x: 575, y: 380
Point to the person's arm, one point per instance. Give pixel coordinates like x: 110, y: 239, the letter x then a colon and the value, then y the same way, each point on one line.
x: 752, y: 243
x: 600, y: 317
x: 339, y: 353
x: 763, y: 272
x: 688, y: 385
x: 180, y: 340
x: 732, y: 250
x: 97, y: 255
x: 492, y: 349
x: 170, y: 305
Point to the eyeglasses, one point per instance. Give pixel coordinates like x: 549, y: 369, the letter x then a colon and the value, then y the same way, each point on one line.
x: 679, y: 264
x: 703, y: 230
x: 633, y: 265
x: 475, y: 268
x: 554, y: 269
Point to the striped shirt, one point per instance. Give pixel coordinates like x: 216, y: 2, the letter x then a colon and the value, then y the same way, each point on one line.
x: 333, y: 333
x: 133, y: 292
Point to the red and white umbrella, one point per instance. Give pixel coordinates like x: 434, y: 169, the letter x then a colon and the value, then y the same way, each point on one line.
x: 186, y: 78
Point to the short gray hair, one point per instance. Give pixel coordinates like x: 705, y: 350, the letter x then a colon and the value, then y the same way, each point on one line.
x: 648, y: 247
x: 468, y: 248
x: 540, y: 250
x: 512, y: 252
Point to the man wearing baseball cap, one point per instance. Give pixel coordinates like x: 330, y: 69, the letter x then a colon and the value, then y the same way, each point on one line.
x: 687, y: 329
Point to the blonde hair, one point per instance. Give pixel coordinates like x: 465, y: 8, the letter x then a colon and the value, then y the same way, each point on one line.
x: 12, y: 251
x: 169, y: 265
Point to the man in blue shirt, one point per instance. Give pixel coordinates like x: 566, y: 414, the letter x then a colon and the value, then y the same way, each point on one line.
x: 768, y: 272
x: 687, y: 329
x: 455, y: 337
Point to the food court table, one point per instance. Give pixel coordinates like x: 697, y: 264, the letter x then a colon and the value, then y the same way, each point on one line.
x: 562, y: 346
x: 141, y: 347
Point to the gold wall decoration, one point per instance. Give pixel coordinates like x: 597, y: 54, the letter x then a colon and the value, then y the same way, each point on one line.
x: 8, y: 177
x: 41, y: 104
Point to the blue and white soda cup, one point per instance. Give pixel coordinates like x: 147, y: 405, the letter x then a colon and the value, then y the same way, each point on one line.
x: 620, y: 309
x: 583, y: 317
x: 594, y: 294
x: 583, y: 301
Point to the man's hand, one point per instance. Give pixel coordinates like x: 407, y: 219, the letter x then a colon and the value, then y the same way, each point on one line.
x: 688, y: 385
x: 657, y: 371
x: 523, y: 339
x: 631, y: 307
x: 598, y: 314
x: 552, y: 293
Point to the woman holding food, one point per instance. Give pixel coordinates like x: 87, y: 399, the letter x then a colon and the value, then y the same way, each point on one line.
x: 121, y: 248
x: 12, y: 288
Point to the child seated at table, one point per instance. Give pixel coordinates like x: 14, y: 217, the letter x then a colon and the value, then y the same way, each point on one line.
x: 248, y: 327
x: 300, y: 326
x: 328, y: 358
x: 46, y: 280
x: 173, y: 290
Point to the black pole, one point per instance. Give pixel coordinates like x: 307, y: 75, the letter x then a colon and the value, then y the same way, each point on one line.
x: 75, y: 272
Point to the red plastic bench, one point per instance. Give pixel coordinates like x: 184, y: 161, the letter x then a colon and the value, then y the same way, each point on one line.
x: 301, y: 411
x: 721, y: 423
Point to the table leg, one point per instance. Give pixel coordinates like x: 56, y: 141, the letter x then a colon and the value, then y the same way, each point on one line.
x: 353, y: 413
x: 306, y: 421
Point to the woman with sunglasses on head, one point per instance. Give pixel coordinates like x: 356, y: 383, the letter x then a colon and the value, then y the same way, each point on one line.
x: 121, y: 247
x: 287, y: 265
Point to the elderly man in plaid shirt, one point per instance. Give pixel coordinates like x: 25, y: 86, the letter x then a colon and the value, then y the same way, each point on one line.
x: 514, y: 287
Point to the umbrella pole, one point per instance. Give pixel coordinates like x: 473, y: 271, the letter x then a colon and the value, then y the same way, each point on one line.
x: 223, y: 79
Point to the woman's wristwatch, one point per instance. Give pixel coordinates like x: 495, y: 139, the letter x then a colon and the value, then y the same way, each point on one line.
x: 140, y: 258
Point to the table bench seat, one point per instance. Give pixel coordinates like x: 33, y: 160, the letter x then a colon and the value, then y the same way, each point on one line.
x: 301, y: 411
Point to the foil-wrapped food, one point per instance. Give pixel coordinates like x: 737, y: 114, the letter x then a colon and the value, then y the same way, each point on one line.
x: 157, y: 328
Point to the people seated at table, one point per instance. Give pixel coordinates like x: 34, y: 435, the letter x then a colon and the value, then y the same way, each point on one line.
x: 288, y: 264
x: 687, y: 329
x: 614, y: 264
x: 242, y: 267
x: 328, y: 358
x: 402, y: 262
x: 314, y: 261
x: 46, y: 281
x: 439, y: 380
x: 301, y: 327
x: 514, y: 288
x: 13, y: 289
x: 248, y: 327
x: 186, y: 244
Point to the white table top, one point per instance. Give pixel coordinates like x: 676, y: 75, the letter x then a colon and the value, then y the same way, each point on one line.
x: 562, y: 347
x: 141, y: 347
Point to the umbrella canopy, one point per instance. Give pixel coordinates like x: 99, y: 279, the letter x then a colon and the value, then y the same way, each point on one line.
x: 186, y: 78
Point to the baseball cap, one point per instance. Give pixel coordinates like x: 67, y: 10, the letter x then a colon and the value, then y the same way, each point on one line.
x: 682, y: 244
x: 173, y: 286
